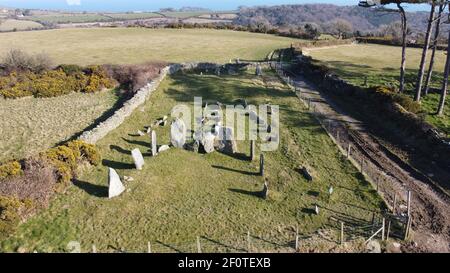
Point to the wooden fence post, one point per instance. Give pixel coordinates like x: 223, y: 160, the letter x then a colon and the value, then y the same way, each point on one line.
x: 388, y: 230
x: 383, y: 227
x: 395, y: 203
x: 199, y: 249
x: 94, y: 249
x: 252, y: 150
x: 248, y: 241
x: 349, y: 150
x: 342, y: 233
x: 296, y: 240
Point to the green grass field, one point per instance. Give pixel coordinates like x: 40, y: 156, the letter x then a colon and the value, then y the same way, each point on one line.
x: 136, y: 45
x: 381, y: 65
x: 180, y: 195
x: 68, y: 18
x: 31, y: 125
x: 12, y: 24
x: 132, y: 16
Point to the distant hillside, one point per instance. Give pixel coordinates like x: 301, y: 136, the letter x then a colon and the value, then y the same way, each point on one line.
x: 362, y: 19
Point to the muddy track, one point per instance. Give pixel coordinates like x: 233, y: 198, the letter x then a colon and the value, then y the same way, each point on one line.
x: 430, y: 207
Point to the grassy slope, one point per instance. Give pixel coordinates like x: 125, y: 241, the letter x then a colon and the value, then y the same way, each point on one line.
x: 381, y: 65
x: 135, y: 45
x: 34, y: 124
x: 11, y: 24
x: 180, y: 195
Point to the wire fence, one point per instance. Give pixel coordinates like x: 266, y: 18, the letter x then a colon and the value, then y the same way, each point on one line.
x: 362, y: 155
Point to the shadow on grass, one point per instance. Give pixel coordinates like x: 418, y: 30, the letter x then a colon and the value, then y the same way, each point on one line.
x: 119, y: 149
x: 169, y: 246
x: 257, y: 194
x: 234, y: 170
x: 117, y: 165
x: 91, y: 189
x: 138, y: 142
x: 308, y: 211
x: 313, y: 193
x: 223, y: 245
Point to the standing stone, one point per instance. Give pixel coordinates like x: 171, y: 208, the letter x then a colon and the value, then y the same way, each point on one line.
x: 316, y: 210
x: 331, y: 190
x: 154, y: 145
x: 261, y: 165
x: 208, y: 142
x: 140, y: 133
x: 225, y: 140
x: 252, y: 150
x: 138, y: 159
x: 115, y: 186
x: 178, y: 133
x: 265, y: 191
x: 258, y: 70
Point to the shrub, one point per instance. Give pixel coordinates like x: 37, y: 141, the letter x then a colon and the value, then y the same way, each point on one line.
x: 17, y: 60
x: 11, y: 168
x: 404, y: 100
x: 11, y: 212
x: 66, y: 158
x: 85, y: 151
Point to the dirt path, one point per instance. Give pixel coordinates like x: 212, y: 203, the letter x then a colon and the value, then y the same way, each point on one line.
x: 430, y: 209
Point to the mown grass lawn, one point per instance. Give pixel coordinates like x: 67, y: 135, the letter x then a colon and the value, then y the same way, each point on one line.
x: 138, y: 45
x: 180, y: 195
x: 381, y: 65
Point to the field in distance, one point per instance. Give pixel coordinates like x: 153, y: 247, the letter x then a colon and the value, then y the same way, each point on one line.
x: 137, y: 45
x: 12, y: 25
x: 381, y: 65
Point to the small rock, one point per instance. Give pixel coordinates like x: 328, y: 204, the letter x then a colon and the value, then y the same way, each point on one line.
x: 373, y: 247
x: 140, y: 133
x: 21, y: 250
x: 163, y: 148
x: 149, y: 130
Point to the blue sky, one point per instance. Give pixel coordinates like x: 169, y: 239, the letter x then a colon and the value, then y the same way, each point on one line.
x: 152, y: 5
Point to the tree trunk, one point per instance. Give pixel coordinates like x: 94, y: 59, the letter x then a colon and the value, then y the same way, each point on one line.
x: 404, y: 34
x: 423, y: 60
x: 441, y: 106
x: 433, y: 53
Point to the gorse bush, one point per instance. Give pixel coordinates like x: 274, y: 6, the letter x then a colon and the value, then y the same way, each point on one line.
x: 63, y: 80
x: 402, y: 99
x: 11, y: 209
x: 66, y: 158
x: 11, y: 168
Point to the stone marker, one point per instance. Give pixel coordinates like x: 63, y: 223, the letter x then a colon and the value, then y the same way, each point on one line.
x: 208, y: 142
x: 261, y: 165
x: 149, y: 130
x: 331, y: 190
x: 178, y: 133
x: 258, y: 70
x: 225, y: 140
x: 265, y: 191
x: 140, y: 133
x: 163, y: 148
x: 154, y: 146
x: 115, y: 186
x: 316, y: 210
x: 307, y: 174
x: 138, y: 158
x: 252, y: 150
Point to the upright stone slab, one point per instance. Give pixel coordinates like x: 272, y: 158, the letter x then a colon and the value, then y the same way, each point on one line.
x: 258, y: 70
x: 265, y: 191
x: 261, y: 165
x: 225, y: 140
x: 178, y: 133
x: 252, y: 150
x: 138, y: 158
x: 115, y: 186
x: 208, y: 142
x: 154, y: 144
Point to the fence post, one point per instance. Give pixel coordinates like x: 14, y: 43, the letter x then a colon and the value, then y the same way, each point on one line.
x: 408, y: 223
x: 248, y: 241
x: 395, y: 203
x: 296, y: 240
x: 383, y: 227
x: 388, y: 230
x: 337, y: 136
x: 349, y: 150
x: 149, y: 247
x: 362, y: 165
x: 94, y: 249
x: 199, y: 249
x: 342, y: 233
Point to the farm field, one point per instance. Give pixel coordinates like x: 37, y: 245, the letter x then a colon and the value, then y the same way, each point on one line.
x: 180, y: 195
x: 59, y: 18
x: 380, y: 64
x: 12, y: 24
x: 35, y: 124
x: 134, y: 45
